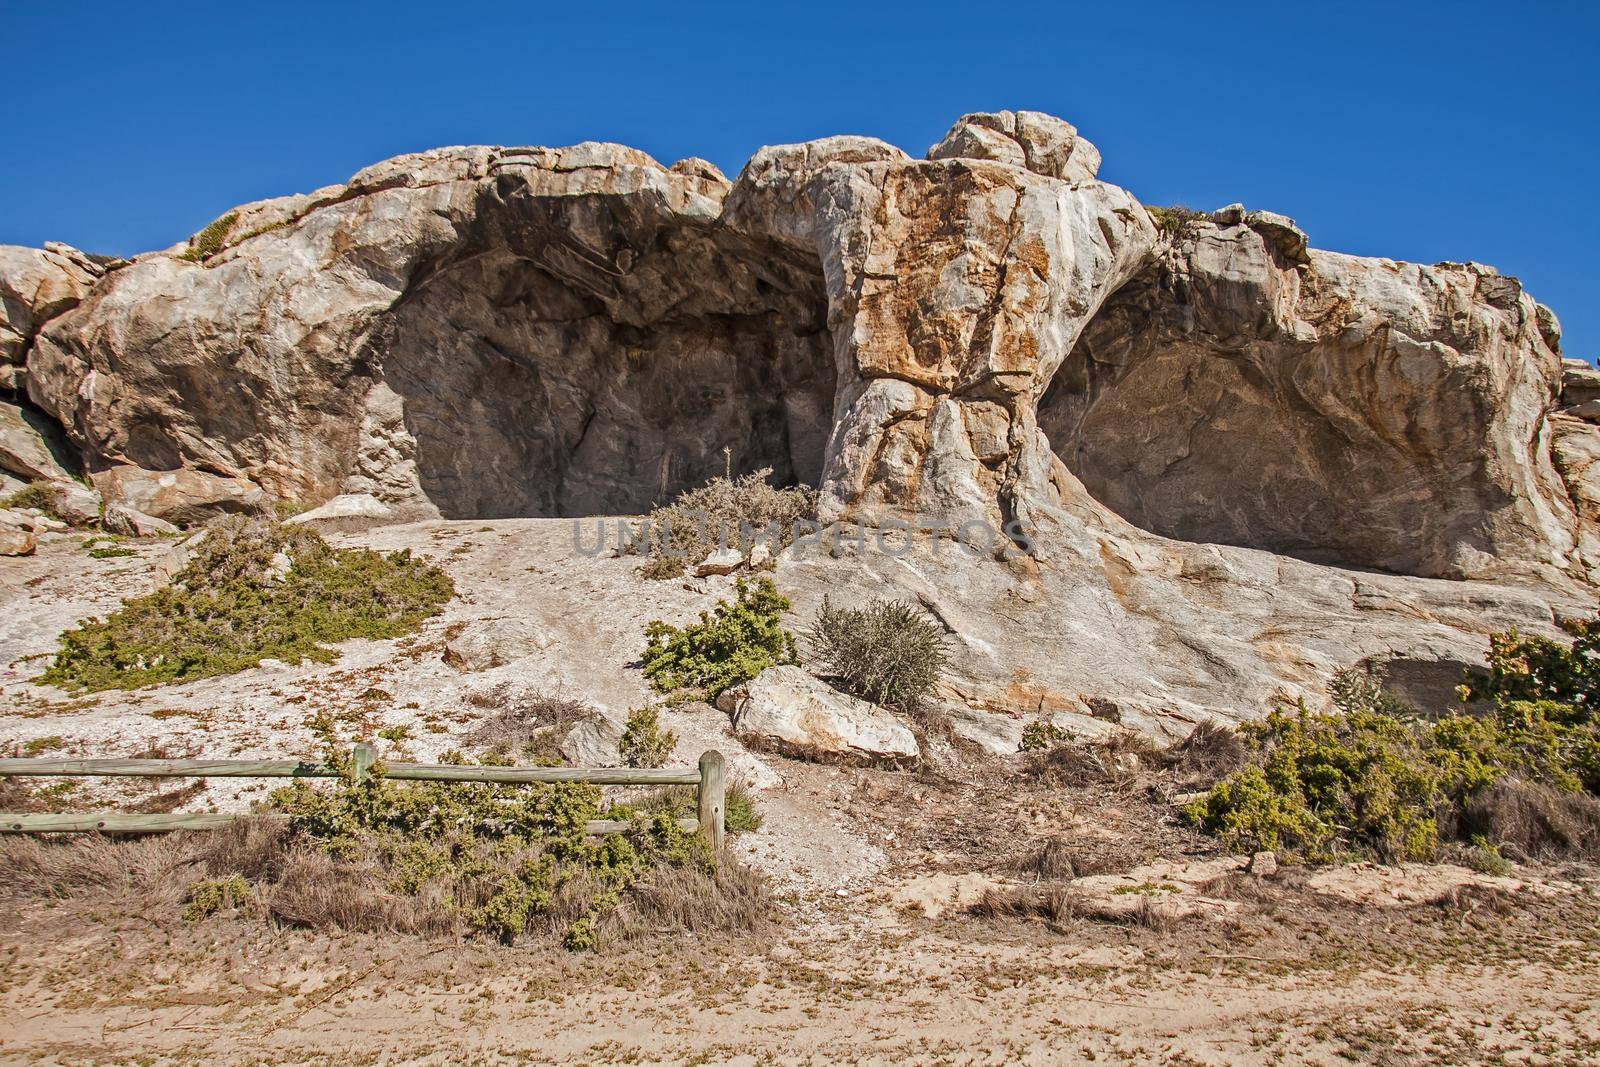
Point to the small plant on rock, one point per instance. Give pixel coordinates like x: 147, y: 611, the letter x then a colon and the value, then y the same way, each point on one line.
x: 731, y: 644
x: 208, y: 242
x: 887, y: 651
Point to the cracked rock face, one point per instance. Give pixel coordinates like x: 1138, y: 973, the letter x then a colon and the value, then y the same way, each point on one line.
x: 1157, y: 409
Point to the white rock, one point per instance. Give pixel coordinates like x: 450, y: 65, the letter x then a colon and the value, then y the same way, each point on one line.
x: 788, y: 710
x: 995, y: 732
x: 348, y: 506
x: 722, y: 561
x: 16, y: 542
x: 76, y: 502
x: 494, y: 643
x: 760, y: 555
x: 593, y: 743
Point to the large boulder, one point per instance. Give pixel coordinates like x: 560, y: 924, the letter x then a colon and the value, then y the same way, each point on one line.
x: 36, y: 285
x: 789, y: 711
x: 182, y: 497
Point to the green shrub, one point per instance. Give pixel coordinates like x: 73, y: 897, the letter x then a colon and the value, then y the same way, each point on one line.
x: 739, y: 814
x: 887, y: 652
x: 1039, y: 736
x: 211, y: 895
x: 234, y: 605
x: 733, y: 643
x: 208, y: 242
x: 644, y: 743
x: 1537, y: 668
x: 1373, y: 778
x: 501, y: 858
x: 1328, y: 783
x: 1176, y: 220
x: 720, y: 512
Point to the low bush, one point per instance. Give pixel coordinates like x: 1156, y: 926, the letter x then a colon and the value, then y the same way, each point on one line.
x: 725, y: 511
x: 644, y: 743
x: 252, y: 590
x: 1176, y: 220
x: 42, y: 497
x: 886, y: 651
x: 1373, y: 778
x: 731, y: 644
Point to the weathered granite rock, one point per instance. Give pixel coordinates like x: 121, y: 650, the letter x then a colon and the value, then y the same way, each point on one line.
x: 494, y: 643
x: 36, y: 285
x: 1244, y: 391
x: 15, y: 541
x: 75, y: 502
x: 183, y: 497
x: 347, y: 506
x: 592, y: 742
x: 788, y: 710
x: 31, y: 446
x: 989, y: 337
x: 121, y: 519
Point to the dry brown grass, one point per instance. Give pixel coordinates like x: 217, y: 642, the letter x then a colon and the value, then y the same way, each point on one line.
x: 1528, y: 821
x: 1205, y: 757
x: 523, y: 725
x: 1119, y: 759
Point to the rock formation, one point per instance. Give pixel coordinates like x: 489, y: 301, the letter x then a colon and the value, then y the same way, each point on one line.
x: 1187, y: 424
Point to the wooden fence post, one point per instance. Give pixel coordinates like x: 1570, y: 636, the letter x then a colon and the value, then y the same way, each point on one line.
x: 362, y: 757
x: 713, y: 797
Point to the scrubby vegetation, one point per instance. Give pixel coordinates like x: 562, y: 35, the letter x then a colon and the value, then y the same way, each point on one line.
x: 644, y: 743
x: 208, y: 242
x: 1175, y: 220
x: 730, y: 511
x: 886, y: 651
x: 447, y: 859
x: 731, y: 644
x: 526, y: 727
x: 1373, y: 777
x: 42, y: 497
x: 252, y: 590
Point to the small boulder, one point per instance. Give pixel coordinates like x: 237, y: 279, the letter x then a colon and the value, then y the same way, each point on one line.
x: 184, y: 497
x: 348, y: 506
x: 1263, y: 864
x: 593, y: 743
x: 494, y: 643
x: 15, y: 541
x: 722, y: 561
x: 120, y: 519
x: 789, y: 711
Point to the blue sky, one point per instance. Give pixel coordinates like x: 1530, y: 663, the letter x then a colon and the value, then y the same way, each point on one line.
x: 1417, y: 131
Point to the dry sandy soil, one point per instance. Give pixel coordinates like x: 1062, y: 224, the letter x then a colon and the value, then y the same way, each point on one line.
x: 1161, y: 951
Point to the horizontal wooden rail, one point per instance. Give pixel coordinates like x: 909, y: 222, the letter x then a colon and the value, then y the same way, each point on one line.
x: 709, y: 777
x: 120, y: 823
x: 413, y: 772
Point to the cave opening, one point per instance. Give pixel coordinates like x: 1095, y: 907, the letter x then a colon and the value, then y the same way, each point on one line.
x: 544, y: 375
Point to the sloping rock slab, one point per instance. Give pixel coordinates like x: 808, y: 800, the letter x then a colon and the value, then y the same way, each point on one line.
x: 788, y: 711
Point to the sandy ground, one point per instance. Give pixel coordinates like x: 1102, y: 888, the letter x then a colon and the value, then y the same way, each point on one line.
x: 1169, y: 956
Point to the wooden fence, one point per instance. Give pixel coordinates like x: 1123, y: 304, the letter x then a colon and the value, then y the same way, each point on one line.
x: 709, y: 779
